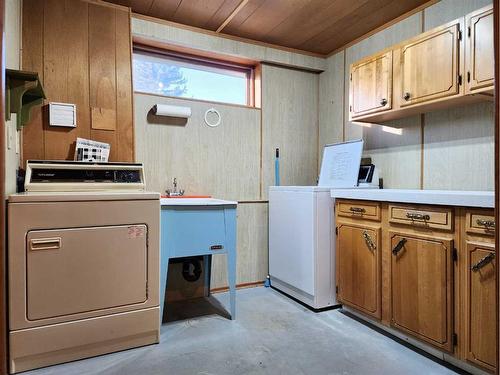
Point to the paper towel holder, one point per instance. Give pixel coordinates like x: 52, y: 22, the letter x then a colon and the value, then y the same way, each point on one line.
x: 171, y: 111
x: 215, y: 123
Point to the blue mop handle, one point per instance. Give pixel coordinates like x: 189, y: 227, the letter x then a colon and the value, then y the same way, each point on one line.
x: 277, y: 168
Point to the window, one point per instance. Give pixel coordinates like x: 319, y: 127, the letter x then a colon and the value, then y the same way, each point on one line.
x: 184, y: 76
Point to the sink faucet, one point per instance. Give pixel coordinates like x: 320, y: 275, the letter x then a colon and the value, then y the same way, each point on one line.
x: 174, y: 192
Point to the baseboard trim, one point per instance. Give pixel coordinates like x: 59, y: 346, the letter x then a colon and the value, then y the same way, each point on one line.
x: 238, y: 286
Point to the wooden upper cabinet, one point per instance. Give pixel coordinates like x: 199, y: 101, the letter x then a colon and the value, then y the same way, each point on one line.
x: 371, y: 86
x: 422, y: 287
x: 359, y: 267
x: 479, y: 58
x: 480, y: 304
x: 429, y: 66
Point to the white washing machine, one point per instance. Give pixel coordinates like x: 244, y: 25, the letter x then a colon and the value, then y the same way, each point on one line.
x: 302, y: 222
x: 301, y: 243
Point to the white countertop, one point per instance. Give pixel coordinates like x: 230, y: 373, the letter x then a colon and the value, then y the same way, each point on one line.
x: 195, y: 202
x: 484, y: 199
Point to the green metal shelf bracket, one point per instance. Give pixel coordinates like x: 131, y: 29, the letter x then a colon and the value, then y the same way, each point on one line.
x: 23, y: 92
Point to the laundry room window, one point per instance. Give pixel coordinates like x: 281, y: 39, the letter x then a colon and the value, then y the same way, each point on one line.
x: 185, y: 76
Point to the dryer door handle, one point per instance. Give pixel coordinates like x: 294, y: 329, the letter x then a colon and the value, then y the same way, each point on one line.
x: 53, y: 243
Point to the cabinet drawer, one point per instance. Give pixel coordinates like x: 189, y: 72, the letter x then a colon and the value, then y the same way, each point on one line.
x: 437, y: 218
x: 480, y: 222
x: 359, y: 209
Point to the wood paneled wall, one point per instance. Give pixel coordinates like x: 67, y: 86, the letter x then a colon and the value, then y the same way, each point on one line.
x: 81, y: 51
x: 3, y: 244
x: 235, y: 160
x: 223, y: 162
x: 448, y: 149
x: 290, y: 123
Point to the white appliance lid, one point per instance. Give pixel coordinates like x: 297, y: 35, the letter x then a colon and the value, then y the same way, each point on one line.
x: 307, y: 189
x: 340, y: 165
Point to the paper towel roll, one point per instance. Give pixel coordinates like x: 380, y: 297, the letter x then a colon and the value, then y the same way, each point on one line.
x: 172, y: 110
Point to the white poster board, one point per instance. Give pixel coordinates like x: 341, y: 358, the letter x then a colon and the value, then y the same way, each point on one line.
x: 340, y: 165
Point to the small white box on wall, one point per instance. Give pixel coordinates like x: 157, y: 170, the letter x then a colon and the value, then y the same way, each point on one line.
x: 62, y: 114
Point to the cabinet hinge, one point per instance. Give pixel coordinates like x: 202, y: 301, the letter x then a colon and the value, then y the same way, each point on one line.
x: 147, y: 290
x: 468, y: 76
x: 469, y: 31
x: 350, y: 77
x: 459, y: 34
x: 350, y: 108
x: 455, y: 339
x: 455, y: 255
x: 460, y: 79
x: 337, y: 289
x: 336, y: 231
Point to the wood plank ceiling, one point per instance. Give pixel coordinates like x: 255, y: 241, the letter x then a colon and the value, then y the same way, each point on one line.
x: 318, y: 26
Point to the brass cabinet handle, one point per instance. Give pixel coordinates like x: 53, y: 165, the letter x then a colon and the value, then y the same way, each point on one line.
x: 357, y: 209
x: 383, y: 101
x: 483, y: 262
x: 399, y: 246
x: 407, y: 96
x: 417, y: 216
x: 369, y: 241
x: 486, y: 223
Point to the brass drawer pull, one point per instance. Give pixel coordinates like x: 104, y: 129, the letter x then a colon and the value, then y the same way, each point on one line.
x: 358, y: 210
x: 399, y: 246
x: 486, y: 223
x: 417, y: 216
x: 369, y: 241
x: 483, y: 262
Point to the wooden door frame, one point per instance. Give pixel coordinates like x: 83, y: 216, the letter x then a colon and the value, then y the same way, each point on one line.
x: 3, y: 257
x: 496, y: 15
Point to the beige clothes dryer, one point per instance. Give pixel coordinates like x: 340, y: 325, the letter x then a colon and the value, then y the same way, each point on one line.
x: 83, y: 275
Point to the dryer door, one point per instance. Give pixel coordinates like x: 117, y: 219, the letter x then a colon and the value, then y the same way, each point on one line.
x: 79, y: 270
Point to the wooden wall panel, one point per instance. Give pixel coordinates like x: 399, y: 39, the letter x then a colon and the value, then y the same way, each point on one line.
x: 66, y: 72
x: 252, y: 254
x: 12, y: 43
x: 331, y: 98
x: 32, y: 60
x: 82, y: 51
x: 290, y: 123
x: 223, y: 162
x: 3, y: 244
x: 458, y: 148
x: 169, y: 34
x: 124, y: 100
x: 102, y: 57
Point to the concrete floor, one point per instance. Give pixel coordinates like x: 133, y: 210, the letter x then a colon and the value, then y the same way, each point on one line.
x: 271, y: 335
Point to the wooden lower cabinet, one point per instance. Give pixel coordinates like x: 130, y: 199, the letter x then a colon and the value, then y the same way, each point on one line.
x: 422, y: 287
x: 480, y: 303
x: 435, y: 283
x: 359, y: 267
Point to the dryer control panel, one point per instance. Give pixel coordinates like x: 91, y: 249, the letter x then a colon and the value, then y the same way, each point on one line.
x: 82, y: 176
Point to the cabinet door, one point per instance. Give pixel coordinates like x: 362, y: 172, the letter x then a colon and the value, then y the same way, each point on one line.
x: 430, y: 66
x: 480, y: 297
x: 358, y: 250
x: 421, y: 276
x: 371, y: 86
x: 480, y: 59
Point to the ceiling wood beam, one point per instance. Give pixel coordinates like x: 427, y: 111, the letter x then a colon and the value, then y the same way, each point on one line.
x: 232, y: 15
